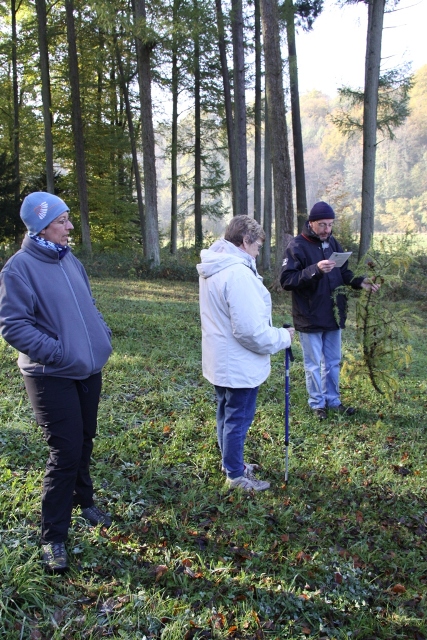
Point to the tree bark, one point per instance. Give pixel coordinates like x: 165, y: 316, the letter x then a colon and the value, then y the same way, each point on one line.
x: 132, y: 138
x: 46, y: 96
x: 239, y: 109
x: 198, y: 230
x: 143, y: 49
x: 301, y: 197
x: 268, y: 194
x: 77, y: 125
x: 370, y: 108
x: 283, y: 205
x: 16, y: 123
x: 174, y: 142
x: 258, y: 118
x: 227, y: 104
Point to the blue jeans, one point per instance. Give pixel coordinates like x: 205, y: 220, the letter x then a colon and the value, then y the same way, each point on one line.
x: 322, y: 359
x: 234, y: 415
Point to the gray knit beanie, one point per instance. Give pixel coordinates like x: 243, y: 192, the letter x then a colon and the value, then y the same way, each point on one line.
x: 39, y: 209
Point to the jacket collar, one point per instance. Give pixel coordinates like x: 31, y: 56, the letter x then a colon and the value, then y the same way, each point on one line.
x: 309, y: 234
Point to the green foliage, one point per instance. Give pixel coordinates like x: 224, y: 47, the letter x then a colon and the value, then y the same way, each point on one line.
x: 393, y: 98
x: 132, y: 264
x: 383, y: 331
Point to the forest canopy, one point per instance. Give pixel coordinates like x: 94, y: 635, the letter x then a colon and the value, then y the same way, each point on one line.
x: 189, y: 194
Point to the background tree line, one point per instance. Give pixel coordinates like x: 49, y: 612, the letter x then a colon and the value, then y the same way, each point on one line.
x: 83, y: 85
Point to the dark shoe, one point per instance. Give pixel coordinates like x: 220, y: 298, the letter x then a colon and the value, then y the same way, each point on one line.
x: 96, y: 516
x: 350, y: 411
x: 55, y: 557
x: 320, y: 413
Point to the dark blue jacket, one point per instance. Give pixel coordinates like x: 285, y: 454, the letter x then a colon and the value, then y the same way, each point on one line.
x: 313, y: 305
x: 48, y: 314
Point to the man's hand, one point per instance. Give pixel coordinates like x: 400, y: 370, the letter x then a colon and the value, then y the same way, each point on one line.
x: 369, y: 285
x: 326, y: 266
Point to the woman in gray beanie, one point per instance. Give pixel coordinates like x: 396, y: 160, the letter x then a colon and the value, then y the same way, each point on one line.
x: 48, y: 314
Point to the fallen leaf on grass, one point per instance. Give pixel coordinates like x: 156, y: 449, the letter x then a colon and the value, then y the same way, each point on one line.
x: 302, y: 557
x: 338, y: 577
x: 306, y: 631
x: 160, y: 571
x: 402, y: 471
x: 398, y: 588
x: 58, y: 616
x: 218, y: 620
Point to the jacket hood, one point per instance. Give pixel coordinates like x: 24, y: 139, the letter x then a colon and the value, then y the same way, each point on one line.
x: 221, y: 255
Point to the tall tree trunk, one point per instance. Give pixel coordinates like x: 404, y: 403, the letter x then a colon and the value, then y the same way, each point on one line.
x: 239, y: 108
x: 198, y: 230
x: 227, y: 104
x: 143, y: 49
x: 46, y: 96
x: 132, y: 138
x: 370, y: 106
x: 258, y: 118
x: 16, y: 133
x: 174, y: 142
x: 77, y: 125
x: 301, y: 196
x: 268, y: 194
x: 283, y: 205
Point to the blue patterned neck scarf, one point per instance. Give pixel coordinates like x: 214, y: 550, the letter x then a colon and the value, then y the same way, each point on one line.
x: 47, y: 244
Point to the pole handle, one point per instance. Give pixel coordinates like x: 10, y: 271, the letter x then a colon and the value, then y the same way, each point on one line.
x: 289, y: 349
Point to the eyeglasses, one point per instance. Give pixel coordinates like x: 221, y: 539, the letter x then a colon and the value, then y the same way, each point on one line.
x: 325, y: 225
x: 260, y: 244
x: 62, y: 221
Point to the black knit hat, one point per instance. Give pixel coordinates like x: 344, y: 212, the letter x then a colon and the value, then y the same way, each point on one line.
x: 321, y: 211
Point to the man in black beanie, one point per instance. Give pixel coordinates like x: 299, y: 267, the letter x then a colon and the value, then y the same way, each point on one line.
x: 318, y: 315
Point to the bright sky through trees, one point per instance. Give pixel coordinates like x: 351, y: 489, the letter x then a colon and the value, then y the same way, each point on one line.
x: 333, y: 53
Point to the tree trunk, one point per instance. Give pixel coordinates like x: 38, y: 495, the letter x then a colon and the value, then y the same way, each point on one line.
x: 268, y: 194
x: 239, y: 109
x: 174, y: 142
x: 15, y: 134
x: 143, y: 49
x: 198, y: 230
x: 132, y: 138
x: 46, y: 97
x: 77, y: 125
x: 301, y: 197
x: 227, y: 104
x: 372, y: 75
x: 258, y: 118
x: 283, y: 205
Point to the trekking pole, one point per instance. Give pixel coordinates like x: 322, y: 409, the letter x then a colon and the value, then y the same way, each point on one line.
x: 289, y: 356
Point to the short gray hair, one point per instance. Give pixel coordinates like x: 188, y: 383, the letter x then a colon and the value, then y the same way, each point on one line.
x: 242, y: 227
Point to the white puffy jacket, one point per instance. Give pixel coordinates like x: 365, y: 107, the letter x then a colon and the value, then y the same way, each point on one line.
x: 235, y: 309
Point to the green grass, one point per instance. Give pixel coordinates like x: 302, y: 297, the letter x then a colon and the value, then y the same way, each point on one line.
x: 340, y: 552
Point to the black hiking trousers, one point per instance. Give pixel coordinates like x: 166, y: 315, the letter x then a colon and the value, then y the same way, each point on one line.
x: 66, y: 410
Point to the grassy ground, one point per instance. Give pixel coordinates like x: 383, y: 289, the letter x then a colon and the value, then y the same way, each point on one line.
x: 340, y: 552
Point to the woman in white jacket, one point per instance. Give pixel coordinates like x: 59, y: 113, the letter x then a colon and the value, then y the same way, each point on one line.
x: 237, y: 339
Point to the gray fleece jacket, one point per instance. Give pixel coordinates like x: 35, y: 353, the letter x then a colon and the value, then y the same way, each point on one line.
x: 48, y: 314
